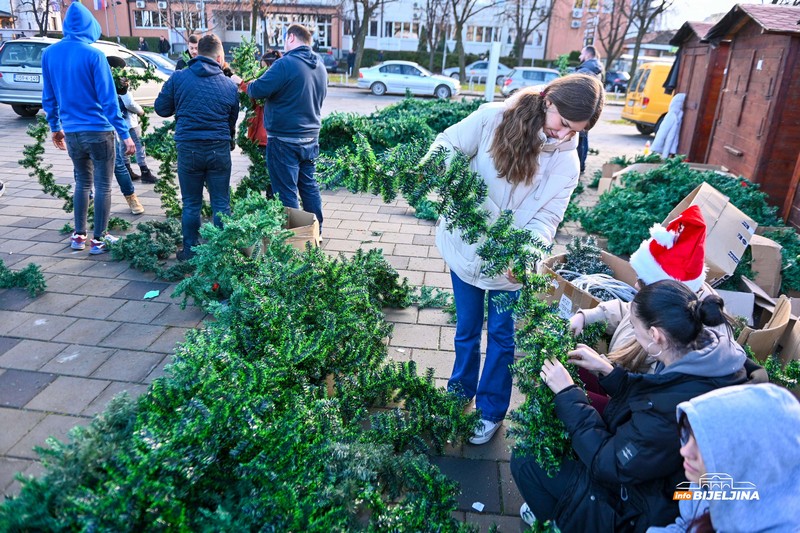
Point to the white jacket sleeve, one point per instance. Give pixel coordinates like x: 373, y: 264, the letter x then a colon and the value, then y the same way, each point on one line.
x: 546, y: 221
x: 131, y: 104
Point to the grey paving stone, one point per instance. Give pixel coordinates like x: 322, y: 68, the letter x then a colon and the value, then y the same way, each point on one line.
x: 69, y: 266
x: 78, y: 360
x: 96, y: 307
x: 14, y: 299
x: 101, y: 287
x: 138, y: 311
x: 125, y: 365
x: 105, y: 269
x: 53, y: 303
x: 479, y: 481
x: 416, y: 336
x: 504, y: 524
x: 509, y: 492
x: 8, y: 469
x: 42, y: 327
x: 159, y: 370
x: 44, y: 248
x: 98, y: 405
x: 440, y: 360
x: 68, y: 395
x: 173, y: 315
x: 87, y: 331
x: 135, y: 290
x: 30, y: 222
x: 133, y: 336
x: 30, y: 354
x: 16, y: 423
x: 53, y: 425
x: 6, y: 343
x: 18, y: 387
x: 168, y: 340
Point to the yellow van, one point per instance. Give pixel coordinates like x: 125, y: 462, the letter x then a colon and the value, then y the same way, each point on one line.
x: 646, y: 103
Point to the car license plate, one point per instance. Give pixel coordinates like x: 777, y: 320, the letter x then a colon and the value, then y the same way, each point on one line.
x: 28, y: 78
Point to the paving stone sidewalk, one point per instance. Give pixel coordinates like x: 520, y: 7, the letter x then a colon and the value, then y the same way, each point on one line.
x: 91, y: 335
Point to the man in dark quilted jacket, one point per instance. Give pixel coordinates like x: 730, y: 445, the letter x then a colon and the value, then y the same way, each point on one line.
x: 205, y: 106
x: 293, y: 89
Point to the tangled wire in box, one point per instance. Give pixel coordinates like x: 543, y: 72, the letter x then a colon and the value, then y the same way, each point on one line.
x: 601, y: 286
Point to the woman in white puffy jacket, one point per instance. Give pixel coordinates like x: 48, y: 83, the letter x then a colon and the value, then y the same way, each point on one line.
x: 525, y: 150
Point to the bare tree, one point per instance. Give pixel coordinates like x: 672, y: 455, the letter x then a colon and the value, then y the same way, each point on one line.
x: 40, y: 9
x: 642, y: 14
x: 526, y: 16
x: 437, y: 18
x: 612, y: 28
x: 191, y: 16
x: 463, y: 10
x: 361, y: 22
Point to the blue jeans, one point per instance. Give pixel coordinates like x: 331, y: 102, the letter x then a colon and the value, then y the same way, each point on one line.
x: 291, y: 170
x: 203, y: 163
x: 583, y: 148
x: 493, y: 391
x: 92, y: 154
x: 136, y: 134
x: 121, y: 171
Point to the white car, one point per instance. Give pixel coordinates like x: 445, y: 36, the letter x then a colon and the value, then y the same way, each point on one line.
x: 402, y: 76
x: 525, y: 77
x: 21, y: 73
x: 477, y: 72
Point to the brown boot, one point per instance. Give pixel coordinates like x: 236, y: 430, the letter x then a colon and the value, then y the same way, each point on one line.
x: 147, y: 176
x: 134, y: 176
x: 136, y: 206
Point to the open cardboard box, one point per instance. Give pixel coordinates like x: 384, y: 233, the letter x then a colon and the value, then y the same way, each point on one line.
x: 771, y: 319
x: 568, y: 297
x: 766, y: 264
x: 728, y: 230
x: 304, y: 226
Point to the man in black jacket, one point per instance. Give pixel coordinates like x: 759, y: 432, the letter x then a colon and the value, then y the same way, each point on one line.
x: 293, y: 89
x: 191, y: 50
x: 164, y: 47
x: 592, y: 67
x: 205, y: 104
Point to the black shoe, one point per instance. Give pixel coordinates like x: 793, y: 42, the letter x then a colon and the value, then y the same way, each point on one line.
x: 134, y: 176
x: 185, y: 254
x: 147, y: 176
x: 2, y: 188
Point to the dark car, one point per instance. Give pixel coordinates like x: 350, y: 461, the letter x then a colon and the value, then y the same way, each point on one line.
x: 331, y: 65
x: 617, y: 81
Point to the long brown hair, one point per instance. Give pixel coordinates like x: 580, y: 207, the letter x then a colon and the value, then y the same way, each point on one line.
x: 516, y: 145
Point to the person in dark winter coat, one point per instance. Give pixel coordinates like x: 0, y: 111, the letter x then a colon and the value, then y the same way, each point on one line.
x: 628, y: 459
x: 143, y: 46
x: 206, y: 106
x: 164, y: 48
x: 591, y: 66
x: 191, y: 50
x: 293, y: 90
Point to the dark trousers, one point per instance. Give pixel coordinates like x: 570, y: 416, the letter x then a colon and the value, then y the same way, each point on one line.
x: 291, y: 169
x: 203, y: 163
x: 583, y: 148
x: 540, y: 491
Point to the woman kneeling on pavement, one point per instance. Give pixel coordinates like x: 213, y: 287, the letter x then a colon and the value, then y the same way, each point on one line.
x: 524, y: 149
x: 629, y: 463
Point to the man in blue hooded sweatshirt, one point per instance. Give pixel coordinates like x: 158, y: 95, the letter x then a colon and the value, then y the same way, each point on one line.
x: 294, y: 88
x: 80, y: 101
x: 206, y: 105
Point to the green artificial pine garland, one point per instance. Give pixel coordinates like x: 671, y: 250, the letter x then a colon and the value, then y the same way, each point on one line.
x: 34, y: 161
x: 29, y: 278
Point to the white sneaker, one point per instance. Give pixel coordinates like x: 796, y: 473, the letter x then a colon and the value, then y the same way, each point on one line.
x: 526, y: 514
x: 485, y: 432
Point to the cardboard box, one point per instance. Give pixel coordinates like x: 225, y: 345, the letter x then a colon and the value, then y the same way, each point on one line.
x: 790, y: 341
x: 728, y: 230
x: 304, y: 226
x: 610, y: 168
x: 766, y: 264
x: 739, y: 304
x: 770, y: 321
x: 568, y: 297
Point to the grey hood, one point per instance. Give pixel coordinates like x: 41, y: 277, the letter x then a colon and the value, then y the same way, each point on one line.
x: 751, y: 433
x: 720, y: 357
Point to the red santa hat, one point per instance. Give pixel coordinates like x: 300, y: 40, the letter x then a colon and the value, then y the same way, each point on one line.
x: 675, y: 252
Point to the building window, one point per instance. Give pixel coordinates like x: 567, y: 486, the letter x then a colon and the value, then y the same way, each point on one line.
x: 182, y: 20
x: 401, y: 30
x: 578, y: 4
x: 149, y: 19
x: 237, y: 22
x: 483, y: 34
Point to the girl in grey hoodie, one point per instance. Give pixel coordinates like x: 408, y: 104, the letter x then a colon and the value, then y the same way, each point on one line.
x: 750, y: 433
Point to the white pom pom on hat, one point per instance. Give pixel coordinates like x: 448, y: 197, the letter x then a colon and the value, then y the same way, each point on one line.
x: 675, y: 252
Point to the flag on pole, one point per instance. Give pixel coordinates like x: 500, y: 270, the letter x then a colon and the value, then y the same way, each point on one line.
x: 99, y: 5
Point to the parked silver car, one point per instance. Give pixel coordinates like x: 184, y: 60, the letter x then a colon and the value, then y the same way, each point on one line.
x: 402, y: 76
x: 477, y: 72
x: 21, y: 73
x: 163, y: 64
x: 525, y: 77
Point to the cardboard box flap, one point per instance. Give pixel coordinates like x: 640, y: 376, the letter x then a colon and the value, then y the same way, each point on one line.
x: 739, y: 304
x: 728, y: 230
x: 766, y: 263
x: 762, y: 298
x: 764, y: 341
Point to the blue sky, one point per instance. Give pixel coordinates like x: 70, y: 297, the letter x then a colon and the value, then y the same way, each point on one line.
x: 697, y: 10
